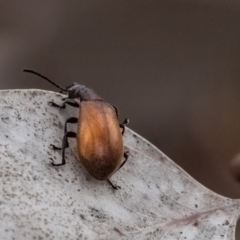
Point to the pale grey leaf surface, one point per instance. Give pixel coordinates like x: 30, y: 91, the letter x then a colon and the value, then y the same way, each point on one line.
x: 158, y: 200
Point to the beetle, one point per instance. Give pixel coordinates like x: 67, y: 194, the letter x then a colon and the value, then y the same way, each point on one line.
x: 99, y: 134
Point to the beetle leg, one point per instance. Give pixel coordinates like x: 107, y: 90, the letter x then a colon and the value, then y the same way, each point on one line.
x: 69, y: 120
x: 65, y: 143
x: 115, y: 110
x: 122, y: 125
x: 126, y: 158
x: 113, y: 186
x: 71, y: 103
x: 126, y: 154
x: 54, y: 147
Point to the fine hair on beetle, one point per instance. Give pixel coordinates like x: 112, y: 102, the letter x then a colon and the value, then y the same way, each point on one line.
x: 99, y: 134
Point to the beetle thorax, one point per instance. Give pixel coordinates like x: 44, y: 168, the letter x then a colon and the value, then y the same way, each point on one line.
x: 82, y: 92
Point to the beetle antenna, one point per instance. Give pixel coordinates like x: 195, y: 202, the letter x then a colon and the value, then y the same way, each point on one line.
x: 40, y: 75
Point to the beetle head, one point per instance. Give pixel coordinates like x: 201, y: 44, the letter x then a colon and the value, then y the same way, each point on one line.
x: 83, y: 93
x: 74, y: 91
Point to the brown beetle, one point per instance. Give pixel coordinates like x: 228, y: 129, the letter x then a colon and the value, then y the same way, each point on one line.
x: 99, y: 138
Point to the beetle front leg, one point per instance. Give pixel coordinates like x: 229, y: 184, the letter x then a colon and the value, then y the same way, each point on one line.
x: 63, y: 106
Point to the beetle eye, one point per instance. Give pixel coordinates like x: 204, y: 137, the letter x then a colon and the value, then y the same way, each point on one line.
x: 71, y: 94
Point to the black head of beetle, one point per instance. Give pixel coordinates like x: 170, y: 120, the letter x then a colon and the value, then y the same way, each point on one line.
x: 83, y: 93
x: 74, y: 91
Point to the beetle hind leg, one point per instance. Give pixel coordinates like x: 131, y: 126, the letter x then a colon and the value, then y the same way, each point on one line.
x: 125, y: 155
x: 109, y: 182
x: 112, y: 185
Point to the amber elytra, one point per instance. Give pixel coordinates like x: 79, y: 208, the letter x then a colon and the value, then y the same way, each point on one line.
x: 99, y: 135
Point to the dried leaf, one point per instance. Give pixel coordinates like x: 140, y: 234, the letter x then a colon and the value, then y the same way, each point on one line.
x: 158, y: 200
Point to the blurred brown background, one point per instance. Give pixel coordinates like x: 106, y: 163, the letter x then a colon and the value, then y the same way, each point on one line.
x: 172, y: 67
